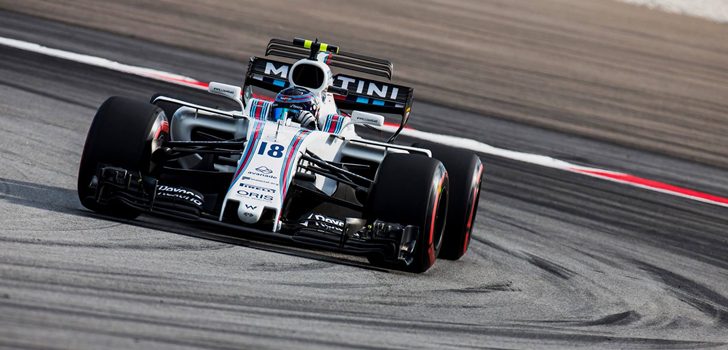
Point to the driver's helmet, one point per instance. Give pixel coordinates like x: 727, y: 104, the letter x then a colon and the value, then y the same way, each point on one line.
x: 298, y: 104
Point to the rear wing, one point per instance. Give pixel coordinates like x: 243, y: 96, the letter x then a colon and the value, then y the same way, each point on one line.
x: 350, y: 92
x: 360, y: 93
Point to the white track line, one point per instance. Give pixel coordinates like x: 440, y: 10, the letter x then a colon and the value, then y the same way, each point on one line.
x: 103, y: 63
x: 460, y: 142
x: 553, y: 163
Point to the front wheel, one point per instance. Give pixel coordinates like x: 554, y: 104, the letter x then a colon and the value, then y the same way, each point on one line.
x: 124, y: 133
x: 411, y: 190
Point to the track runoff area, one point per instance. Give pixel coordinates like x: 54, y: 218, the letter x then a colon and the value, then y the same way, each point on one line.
x: 473, y: 145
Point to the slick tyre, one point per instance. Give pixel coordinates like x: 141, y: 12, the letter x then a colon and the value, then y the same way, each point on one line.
x: 123, y: 134
x: 411, y: 190
x: 465, y: 171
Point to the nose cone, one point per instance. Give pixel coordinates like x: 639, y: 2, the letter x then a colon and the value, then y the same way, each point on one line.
x: 250, y: 213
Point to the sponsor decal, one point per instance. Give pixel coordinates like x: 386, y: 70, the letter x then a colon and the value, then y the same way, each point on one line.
x: 365, y: 119
x: 248, y: 178
x: 324, y: 222
x: 263, y: 170
x: 271, y: 69
x: 222, y: 90
x: 366, y: 87
x: 251, y: 207
x: 257, y: 188
x: 267, y: 176
x: 179, y: 193
x: 255, y: 195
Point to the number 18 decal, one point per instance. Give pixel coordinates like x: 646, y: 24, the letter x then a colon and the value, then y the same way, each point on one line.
x: 275, y: 150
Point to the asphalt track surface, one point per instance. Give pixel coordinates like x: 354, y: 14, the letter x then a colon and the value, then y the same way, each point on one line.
x: 557, y: 259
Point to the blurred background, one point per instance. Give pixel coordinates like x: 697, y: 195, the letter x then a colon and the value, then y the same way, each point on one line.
x: 603, y: 69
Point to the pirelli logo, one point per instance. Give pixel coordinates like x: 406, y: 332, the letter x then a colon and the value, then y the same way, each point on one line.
x: 257, y: 188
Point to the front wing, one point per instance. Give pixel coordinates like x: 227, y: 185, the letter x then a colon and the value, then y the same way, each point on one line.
x: 390, y: 242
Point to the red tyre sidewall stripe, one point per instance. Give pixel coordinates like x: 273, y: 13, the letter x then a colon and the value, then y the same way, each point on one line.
x: 471, y: 214
x: 430, y: 239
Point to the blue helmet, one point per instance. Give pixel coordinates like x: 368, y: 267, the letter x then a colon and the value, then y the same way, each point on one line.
x: 298, y: 104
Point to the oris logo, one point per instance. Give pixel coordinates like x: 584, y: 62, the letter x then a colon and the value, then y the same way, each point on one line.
x: 254, y: 195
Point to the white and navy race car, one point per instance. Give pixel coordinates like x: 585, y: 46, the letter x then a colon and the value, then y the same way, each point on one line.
x: 287, y: 162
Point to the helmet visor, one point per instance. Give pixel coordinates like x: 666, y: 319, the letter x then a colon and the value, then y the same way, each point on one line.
x: 282, y: 113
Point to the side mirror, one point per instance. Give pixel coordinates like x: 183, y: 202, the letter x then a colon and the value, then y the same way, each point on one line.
x: 230, y: 91
x: 364, y: 118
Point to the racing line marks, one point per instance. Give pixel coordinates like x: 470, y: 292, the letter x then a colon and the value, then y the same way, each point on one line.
x: 455, y: 141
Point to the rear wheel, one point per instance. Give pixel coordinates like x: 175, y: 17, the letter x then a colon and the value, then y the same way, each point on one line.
x: 411, y: 190
x: 124, y: 133
x: 465, y: 171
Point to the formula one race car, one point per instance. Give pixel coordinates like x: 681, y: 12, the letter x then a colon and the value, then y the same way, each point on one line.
x: 289, y: 165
